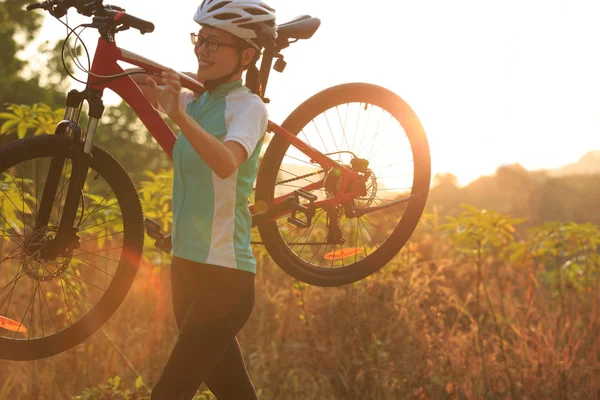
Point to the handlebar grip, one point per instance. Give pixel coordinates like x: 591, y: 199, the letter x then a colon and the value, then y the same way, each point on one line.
x: 135, y: 22
x: 34, y: 6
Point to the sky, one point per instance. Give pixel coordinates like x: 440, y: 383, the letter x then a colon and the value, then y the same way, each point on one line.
x: 494, y: 82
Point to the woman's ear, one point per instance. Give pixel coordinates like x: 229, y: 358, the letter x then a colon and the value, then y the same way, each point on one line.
x: 248, y: 56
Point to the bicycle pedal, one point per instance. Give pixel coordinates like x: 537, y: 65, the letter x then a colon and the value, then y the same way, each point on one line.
x: 307, y: 210
x: 164, y: 244
x: 152, y: 228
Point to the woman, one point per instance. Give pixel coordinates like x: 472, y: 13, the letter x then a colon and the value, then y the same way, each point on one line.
x: 215, y: 163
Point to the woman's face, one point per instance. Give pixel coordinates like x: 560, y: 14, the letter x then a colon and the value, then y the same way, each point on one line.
x: 218, y: 54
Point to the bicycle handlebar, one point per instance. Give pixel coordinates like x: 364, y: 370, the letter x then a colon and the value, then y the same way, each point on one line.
x: 135, y: 22
x: 59, y: 8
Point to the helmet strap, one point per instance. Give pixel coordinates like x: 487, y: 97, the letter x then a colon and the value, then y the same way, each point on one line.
x: 214, y: 83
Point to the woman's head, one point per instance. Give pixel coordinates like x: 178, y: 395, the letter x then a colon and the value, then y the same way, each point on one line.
x: 219, y: 53
x: 230, y: 37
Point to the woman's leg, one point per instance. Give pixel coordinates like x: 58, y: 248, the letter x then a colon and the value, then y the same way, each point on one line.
x: 221, y: 302
x: 230, y: 379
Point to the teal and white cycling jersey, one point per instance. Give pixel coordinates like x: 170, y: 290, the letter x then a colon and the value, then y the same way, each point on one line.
x: 211, y: 219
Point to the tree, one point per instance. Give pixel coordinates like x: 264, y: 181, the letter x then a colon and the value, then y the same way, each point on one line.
x: 15, y: 23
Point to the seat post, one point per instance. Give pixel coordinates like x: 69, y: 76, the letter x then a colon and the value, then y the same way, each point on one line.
x: 265, y: 70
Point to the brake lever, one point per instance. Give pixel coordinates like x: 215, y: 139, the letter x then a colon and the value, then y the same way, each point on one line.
x: 45, y: 5
x: 113, y: 8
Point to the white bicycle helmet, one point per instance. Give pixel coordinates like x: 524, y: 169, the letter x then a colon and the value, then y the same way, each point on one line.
x: 246, y: 19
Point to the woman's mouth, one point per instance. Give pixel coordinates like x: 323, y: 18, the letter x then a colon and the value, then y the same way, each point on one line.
x: 204, y: 64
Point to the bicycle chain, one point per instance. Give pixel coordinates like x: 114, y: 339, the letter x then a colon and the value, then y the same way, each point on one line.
x: 298, y: 178
x: 291, y: 180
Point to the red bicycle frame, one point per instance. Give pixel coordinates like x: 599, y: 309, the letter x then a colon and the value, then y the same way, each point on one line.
x: 105, y: 64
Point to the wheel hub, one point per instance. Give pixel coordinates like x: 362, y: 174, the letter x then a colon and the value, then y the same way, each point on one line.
x: 38, y: 260
x: 367, y: 183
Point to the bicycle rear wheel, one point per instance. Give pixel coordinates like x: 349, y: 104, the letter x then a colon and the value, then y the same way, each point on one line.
x: 50, y: 303
x: 348, y: 122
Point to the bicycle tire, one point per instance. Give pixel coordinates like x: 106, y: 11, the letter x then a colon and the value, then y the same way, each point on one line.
x: 320, y: 104
x: 46, y: 146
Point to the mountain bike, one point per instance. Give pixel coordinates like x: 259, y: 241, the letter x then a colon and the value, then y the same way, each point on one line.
x: 340, y: 189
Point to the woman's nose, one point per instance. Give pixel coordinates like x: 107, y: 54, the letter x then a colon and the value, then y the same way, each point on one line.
x: 200, y: 49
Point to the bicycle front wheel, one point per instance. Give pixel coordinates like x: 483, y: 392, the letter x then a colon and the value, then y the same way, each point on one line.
x: 351, y: 123
x: 50, y: 300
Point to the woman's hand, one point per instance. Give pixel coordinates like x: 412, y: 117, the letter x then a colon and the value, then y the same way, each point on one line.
x: 168, y: 96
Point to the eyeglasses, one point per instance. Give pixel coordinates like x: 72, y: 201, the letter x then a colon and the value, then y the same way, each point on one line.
x: 211, y: 44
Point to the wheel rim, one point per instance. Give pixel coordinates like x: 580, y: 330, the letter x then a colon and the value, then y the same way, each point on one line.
x: 369, y: 132
x: 41, y: 295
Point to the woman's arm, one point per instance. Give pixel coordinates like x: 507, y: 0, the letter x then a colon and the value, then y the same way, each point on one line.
x: 222, y: 158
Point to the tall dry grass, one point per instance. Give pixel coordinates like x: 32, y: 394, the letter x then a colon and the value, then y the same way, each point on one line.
x: 465, y: 311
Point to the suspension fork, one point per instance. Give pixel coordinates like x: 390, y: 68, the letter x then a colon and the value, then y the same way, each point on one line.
x: 80, y: 152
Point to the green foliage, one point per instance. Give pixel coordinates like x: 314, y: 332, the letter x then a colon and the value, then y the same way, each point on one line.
x: 569, y: 251
x: 17, y: 24
x: 481, y: 230
x: 38, y: 118
x: 468, y: 311
x: 114, y: 388
x: 156, y: 193
x: 121, y: 134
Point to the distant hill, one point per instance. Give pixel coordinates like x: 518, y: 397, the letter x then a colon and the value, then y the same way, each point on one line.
x: 588, y: 164
x: 568, y: 193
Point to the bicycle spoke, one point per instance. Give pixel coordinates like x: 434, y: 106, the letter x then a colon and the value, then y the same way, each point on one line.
x: 31, y: 327
x: 343, y: 125
x: 330, y: 130
x: 96, y: 268
x: 374, y: 137
x: 66, y: 300
x: 363, y: 241
x: 100, y: 224
x: 376, y: 228
x: 105, y: 236
x: 48, y: 306
x: 309, y: 232
x: 69, y: 286
x: 86, y: 216
x: 365, y: 129
x: 321, y: 137
x: 385, y: 146
x: 20, y: 192
x: 14, y: 281
x: 24, y: 317
x: 13, y: 252
x: 100, y: 251
x: 16, y: 208
x: 299, y: 160
x: 84, y: 281
x: 307, y: 139
x: 39, y: 286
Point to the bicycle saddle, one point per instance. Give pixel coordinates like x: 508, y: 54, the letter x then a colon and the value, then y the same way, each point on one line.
x: 302, y: 27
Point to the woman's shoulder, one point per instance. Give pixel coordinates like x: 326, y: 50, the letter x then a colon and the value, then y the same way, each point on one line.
x: 243, y: 99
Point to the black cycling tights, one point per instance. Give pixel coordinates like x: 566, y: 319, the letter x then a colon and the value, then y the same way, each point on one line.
x: 211, y: 305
